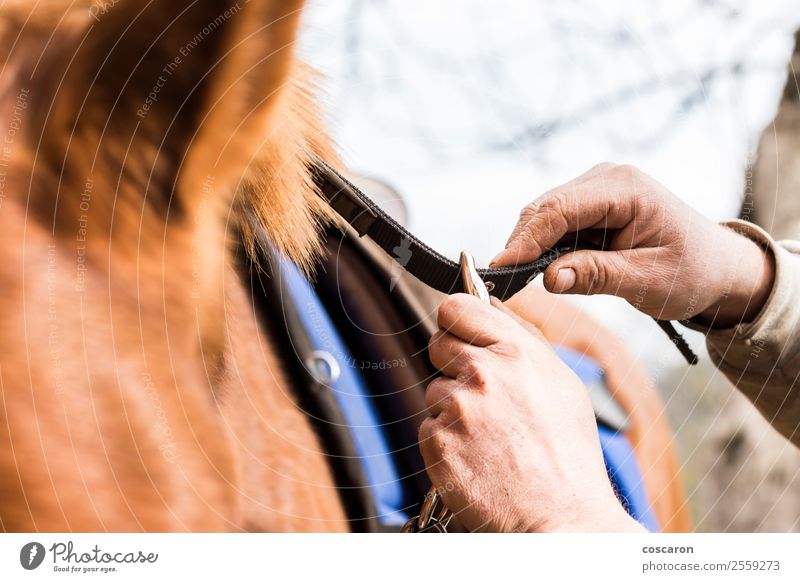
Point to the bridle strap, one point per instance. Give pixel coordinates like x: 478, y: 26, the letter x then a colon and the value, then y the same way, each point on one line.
x: 427, y: 265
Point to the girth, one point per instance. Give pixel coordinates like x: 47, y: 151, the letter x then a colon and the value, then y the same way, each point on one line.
x: 429, y: 266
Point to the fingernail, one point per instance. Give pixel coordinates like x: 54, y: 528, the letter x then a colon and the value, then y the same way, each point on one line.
x: 565, y: 280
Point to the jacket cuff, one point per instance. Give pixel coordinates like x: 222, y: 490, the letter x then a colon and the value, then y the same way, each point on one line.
x: 741, y: 345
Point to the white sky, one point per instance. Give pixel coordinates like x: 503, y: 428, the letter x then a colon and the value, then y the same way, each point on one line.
x: 471, y: 108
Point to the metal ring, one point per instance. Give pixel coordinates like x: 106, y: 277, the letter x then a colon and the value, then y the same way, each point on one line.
x: 489, y: 286
x: 323, y: 367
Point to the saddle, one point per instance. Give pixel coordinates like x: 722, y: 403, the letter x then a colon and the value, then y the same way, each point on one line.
x: 354, y: 341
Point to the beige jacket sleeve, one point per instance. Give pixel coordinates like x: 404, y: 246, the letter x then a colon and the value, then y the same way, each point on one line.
x: 762, y: 358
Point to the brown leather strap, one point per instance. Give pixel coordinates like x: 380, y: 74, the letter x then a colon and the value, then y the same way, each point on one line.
x: 430, y: 267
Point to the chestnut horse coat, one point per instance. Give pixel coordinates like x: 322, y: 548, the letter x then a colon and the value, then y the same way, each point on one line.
x: 137, y: 392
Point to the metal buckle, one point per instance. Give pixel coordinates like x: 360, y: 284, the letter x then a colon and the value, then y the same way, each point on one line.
x: 434, y: 516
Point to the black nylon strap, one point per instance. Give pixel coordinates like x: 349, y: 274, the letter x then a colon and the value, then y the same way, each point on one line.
x: 427, y: 265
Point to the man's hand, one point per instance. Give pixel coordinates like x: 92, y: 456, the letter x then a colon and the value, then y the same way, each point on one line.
x: 661, y: 256
x: 512, y: 442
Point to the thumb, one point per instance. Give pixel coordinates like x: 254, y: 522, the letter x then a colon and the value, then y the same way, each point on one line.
x: 593, y: 272
x: 519, y: 249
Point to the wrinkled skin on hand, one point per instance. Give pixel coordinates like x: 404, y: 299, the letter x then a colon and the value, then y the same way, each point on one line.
x: 511, y: 442
x: 662, y: 256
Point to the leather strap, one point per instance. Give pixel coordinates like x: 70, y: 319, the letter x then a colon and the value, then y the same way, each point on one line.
x: 427, y: 265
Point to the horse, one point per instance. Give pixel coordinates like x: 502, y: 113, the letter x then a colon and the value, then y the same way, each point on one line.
x: 144, y: 144
x: 145, y: 149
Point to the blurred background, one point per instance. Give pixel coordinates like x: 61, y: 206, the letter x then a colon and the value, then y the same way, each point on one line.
x: 471, y: 109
